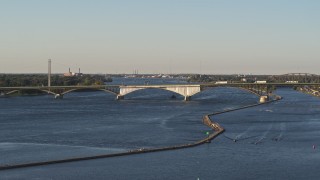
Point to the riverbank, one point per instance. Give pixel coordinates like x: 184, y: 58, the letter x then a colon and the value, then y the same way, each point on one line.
x: 309, y: 91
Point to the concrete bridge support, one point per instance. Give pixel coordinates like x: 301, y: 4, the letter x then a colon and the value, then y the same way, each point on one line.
x: 264, y: 99
x: 58, y: 96
x: 120, y: 97
x: 187, y: 98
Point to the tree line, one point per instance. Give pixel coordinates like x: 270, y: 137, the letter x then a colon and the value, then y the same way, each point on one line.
x: 14, y: 80
x: 254, y: 78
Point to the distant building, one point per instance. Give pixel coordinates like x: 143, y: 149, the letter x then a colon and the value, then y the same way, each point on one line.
x: 71, y: 74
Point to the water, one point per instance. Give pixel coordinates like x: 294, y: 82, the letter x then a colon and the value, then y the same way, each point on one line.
x: 273, y: 141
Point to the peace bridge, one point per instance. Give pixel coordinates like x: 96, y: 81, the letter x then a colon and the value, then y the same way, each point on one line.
x: 262, y: 90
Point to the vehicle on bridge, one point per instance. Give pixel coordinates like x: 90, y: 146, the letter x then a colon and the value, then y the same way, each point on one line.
x: 292, y: 82
x: 260, y: 82
x: 221, y: 82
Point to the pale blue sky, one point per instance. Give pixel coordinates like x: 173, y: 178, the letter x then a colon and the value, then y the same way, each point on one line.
x: 160, y: 36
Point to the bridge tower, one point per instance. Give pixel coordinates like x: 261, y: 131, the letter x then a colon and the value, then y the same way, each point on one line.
x: 49, y: 72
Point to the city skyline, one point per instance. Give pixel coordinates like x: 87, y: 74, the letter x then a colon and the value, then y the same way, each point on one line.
x: 207, y: 37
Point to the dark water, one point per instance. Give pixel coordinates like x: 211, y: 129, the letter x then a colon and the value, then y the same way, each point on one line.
x: 274, y: 141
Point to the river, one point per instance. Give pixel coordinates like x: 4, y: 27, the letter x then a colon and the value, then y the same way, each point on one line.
x: 271, y: 141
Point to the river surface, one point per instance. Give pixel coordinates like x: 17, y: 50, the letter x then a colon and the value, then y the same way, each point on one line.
x: 271, y: 141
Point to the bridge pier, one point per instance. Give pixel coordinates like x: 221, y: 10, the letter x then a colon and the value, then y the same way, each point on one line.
x: 187, y: 98
x: 58, y: 96
x: 263, y: 99
x: 120, y: 97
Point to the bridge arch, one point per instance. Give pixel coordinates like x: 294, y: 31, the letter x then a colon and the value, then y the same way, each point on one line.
x: 149, y: 88
x: 41, y: 90
x: 183, y: 90
x: 11, y: 92
x: 248, y: 90
x: 72, y: 90
x: 203, y: 89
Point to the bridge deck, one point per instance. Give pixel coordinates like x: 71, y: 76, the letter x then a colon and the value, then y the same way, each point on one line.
x: 159, y: 86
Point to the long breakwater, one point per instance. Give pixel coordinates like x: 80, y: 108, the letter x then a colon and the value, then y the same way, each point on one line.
x: 207, y: 120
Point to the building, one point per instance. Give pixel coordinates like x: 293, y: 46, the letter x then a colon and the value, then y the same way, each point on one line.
x: 71, y: 74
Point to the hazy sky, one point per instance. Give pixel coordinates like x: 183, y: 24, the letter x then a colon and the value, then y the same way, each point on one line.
x: 160, y: 36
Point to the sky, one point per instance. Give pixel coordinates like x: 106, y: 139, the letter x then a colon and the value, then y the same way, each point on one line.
x: 160, y: 36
